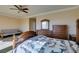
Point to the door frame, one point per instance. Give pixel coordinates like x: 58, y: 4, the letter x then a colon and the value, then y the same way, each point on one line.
x: 30, y: 23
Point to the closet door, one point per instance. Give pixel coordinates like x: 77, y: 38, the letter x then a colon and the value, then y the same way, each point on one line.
x: 60, y: 31
x: 77, y: 31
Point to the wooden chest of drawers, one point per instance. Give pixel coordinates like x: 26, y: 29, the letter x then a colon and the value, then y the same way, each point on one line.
x: 60, y: 31
x: 77, y: 31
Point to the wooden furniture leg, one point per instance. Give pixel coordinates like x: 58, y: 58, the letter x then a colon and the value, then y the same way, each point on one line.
x: 14, y: 41
x: 1, y: 34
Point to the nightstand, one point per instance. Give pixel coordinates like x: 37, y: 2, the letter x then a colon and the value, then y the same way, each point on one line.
x: 72, y: 37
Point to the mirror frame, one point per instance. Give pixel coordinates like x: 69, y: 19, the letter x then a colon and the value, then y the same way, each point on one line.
x: 45, y: 20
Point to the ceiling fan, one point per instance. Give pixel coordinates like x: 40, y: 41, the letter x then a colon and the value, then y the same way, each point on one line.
x: 20, y: 8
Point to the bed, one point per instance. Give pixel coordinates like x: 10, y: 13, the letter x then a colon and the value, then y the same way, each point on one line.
x: 44, y: 44
x: 46, y: 41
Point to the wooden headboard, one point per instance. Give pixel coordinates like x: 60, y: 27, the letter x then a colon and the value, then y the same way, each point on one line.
x: 24, y: 36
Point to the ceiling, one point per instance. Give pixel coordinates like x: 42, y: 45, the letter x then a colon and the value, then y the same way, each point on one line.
x: 33, y: 10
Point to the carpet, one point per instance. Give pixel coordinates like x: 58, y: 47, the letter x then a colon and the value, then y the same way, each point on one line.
x: 5, y: 50
x: 5, y: 44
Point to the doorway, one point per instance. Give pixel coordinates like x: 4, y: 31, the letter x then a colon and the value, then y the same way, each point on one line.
x: 32, y: 24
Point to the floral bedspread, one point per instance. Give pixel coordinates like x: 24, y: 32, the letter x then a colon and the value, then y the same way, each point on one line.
x: 43, y: 44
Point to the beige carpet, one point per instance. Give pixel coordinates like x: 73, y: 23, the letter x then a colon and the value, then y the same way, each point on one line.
x: 5, y: 42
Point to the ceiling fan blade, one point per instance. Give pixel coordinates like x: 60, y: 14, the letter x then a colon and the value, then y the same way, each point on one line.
x: 13, y: 9
x: 25, y: 9
x: 20, y: 5
x: 17, y: 7
x: 20, y: 8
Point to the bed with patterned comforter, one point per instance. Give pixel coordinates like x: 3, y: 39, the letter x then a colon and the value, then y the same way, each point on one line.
x: 43, y: 44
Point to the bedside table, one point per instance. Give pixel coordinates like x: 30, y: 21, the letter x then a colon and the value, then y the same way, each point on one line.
x: 72, y: 37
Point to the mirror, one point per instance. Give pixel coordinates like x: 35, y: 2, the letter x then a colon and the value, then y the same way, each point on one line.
x: 45, y: 24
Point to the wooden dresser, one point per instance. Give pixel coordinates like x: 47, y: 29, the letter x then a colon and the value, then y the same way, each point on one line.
x: 60, y: 31
x: 77, y: 31
x: 45, y: 32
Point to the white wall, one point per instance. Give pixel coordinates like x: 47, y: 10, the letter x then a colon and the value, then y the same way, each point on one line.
x: 24, y: 25
x: 9, y: 23
x: 66, y: 17
x: 13, y: 23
